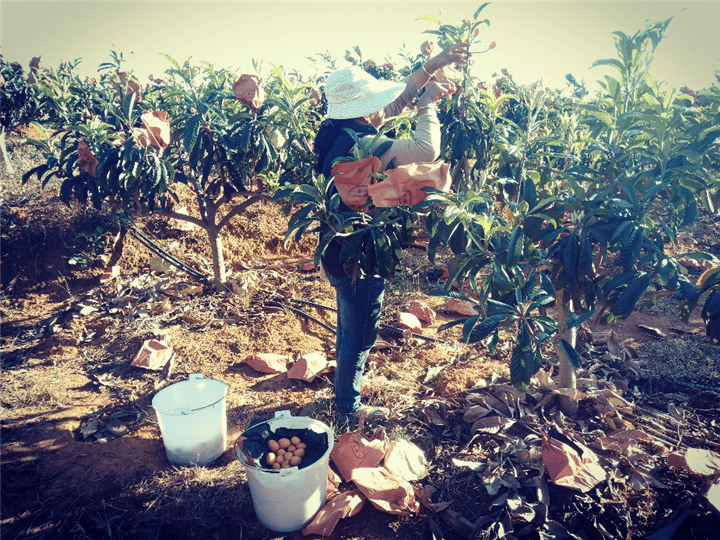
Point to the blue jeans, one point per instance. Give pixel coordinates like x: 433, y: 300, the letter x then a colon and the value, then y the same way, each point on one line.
x: 358, y: 319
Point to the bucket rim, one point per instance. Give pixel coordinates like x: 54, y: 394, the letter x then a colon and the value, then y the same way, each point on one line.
x: 279, y: 416
x: 186, y: 411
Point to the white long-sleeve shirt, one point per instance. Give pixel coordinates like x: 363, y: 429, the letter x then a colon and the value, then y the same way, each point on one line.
x: 425, y: 145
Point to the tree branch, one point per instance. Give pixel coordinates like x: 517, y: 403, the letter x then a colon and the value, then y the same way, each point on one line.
x: 256, y: 197
x: 184, y: 217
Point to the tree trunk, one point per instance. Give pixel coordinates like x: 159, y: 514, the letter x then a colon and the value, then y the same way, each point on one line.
x: 6, y: 157
x: 218, y: 259
x: 117, y: 248
x: 566, y: 377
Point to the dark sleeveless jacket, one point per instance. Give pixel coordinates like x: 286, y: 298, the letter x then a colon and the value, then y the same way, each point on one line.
x: 331, y: 143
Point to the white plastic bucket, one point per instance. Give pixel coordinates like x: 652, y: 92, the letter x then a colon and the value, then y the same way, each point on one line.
x: 193, y: 420
x: 287, y: 499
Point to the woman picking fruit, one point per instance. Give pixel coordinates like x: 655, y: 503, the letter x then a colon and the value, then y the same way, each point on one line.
x: 358, y: 101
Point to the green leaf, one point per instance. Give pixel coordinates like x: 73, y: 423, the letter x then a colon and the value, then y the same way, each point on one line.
x: 458, y: 241
x: 570, y: 353
x: 468, y: 326
x: 577, y: 320
x: 515, y: 246
x: 499, y: 308
x: 630, y: 296
x: 620, y: 280
x: 484, y: 329
x: 428, y: 18
x: 603, y: 116
x: 383, y: 253
x: 631, y: 250
x: 608, y: 62
x: 492, y: 344
x: 710, y: 311
x: 380, y: 150
x: 322, y: 246
x: 691, y: 208
x: 245, y: 134
x: 613, y: 87
x: 529, y: 192
x: 39, y: 171
x: 192, y: 128
x: 523, y: 361
x: 128, y: 104
x: 450, y: 324
x: 621, y: 231
x: 478, y: 10
x: 282, y: 193
x: 652, y: 191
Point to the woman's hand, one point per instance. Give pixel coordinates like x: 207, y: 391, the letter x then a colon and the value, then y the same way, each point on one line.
x: 435, y: 91
x: 455, y: 54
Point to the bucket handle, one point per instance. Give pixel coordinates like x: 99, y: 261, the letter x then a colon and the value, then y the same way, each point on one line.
x: 184, y: 411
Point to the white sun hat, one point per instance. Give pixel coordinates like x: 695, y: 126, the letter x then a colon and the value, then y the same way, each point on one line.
x: 352, y: 93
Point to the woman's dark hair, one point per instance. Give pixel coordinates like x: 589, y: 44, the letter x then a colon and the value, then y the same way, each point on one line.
x: 333, y: 141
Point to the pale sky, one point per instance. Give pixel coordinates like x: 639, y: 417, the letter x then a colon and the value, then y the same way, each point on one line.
x: 535, y: 39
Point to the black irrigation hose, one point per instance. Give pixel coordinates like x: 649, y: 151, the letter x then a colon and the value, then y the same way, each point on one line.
x: 382, y: 325
x: 152, y: 246
x: 306, y: 315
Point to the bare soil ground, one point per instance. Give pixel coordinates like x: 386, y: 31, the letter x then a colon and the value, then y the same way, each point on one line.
x: 68, y: 340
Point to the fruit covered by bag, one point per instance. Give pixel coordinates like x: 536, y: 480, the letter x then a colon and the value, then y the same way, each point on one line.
x: 353, y: 180
x: 404, y: 184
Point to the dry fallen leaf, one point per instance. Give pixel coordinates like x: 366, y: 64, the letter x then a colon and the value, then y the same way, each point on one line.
x: 160, y: 265
x: 621, y: 441
x: 117, y: 428
x: 88, y: 429
x: 491, y: 424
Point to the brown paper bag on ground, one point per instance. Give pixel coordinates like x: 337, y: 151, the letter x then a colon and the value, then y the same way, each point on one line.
x: 267, y: 362
x: 567, y: 468
x: 154, y: 354
x: 386, y: 491
x: 409, y: 321
x: 333, y: 484
x: 355, y: 450
x: 461, y: 307
x: 342, y: 505
x: 404, y: 184
x: 308, y: 366
x: 696, y: 461
x: 405, y: 460
x: 353, y: 180
x: 422, y: 311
